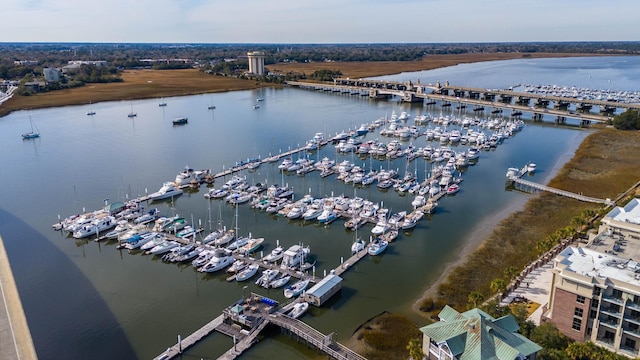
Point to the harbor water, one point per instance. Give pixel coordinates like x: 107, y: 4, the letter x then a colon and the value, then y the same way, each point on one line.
x: 85, y: 299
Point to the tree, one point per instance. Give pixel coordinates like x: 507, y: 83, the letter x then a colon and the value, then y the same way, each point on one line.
x: 415, y: 349
x: 549, y: 337
x: 628, y: 120
x: 510, y: 273
x: 498, y: 285
x: 475, y: 297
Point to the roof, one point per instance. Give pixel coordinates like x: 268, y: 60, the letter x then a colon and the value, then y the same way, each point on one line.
x: 474, y: 334
x: 322, y: 287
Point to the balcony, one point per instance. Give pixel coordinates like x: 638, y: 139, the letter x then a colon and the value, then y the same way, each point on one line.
x: 608, y: 343
x: 634, y: 332
x: 610, y: 322
x: 615, y: 300
x: 632, y: 319
x: 629, y: 351
x: 611, y: 312
x: 632, y: 305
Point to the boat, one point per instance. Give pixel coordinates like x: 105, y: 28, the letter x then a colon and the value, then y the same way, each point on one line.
x: 176, y: 225
x: 188, y: 175
x: 121, y: 227
x: 377, y: 247
x: 279, y: 282
x: 296, y: 289
x: 90, y: 112
x: 247, y: 273
x: 237, y: 266
x: 168, y: 190
x: 418, y: 201
x: 412, y: 220
x: 221, y: 259
x: 203, y: 258
x: 180, y: 121
x: 148, y: 217
x: 187, y: 232
x: 267, y: 277
x: 531, y: 168
x: 313, y: 211
x: 452, y: 189
x: 275, y: 255
x: 132, y: 114
x: 172, y: 255
x: 256, y: 106
x: 381, y: 227
x: 390, y: 235
x: 95, y: 227
x: 163, y: 247
x: 162, y: 103
x: 34, y: 133
x: 138, y: 241
x: 357, y: 246
x: 252, y: 245
x: 238, y: 243
x: 189, y: 255
x: 225, y: 238
x: 298, y: 309
x: 294, y: 256
x: 260, y: 99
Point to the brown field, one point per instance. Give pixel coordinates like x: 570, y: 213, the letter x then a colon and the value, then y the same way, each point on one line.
x: 137, y: 84
x: 378, y: 68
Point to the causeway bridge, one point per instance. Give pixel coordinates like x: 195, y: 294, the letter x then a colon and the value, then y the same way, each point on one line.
x: 517, y: 103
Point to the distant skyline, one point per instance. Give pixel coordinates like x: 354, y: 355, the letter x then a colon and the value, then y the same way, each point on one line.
x: 314, y: 21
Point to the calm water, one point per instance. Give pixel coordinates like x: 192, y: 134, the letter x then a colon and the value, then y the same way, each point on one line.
x: 84, y: 299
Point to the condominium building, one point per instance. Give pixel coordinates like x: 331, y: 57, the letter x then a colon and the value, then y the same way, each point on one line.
x: 595, y: 290
x: 256, y: 62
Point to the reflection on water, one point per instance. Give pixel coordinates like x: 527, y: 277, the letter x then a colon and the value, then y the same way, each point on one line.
x: 108, y: 300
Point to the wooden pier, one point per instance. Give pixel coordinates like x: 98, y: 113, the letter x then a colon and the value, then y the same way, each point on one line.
x: 179, y: 347
x: 530, y: 186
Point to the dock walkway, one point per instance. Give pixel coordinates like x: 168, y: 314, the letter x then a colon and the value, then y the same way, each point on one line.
x: 177, y: 349
x: 540, y: 187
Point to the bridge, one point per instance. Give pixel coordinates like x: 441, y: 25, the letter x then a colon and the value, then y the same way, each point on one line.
x: 516, y: 102
x: 530, y: 186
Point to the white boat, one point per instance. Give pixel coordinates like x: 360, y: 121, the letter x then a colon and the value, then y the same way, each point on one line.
x: 139, y: 240
x: 221, y: 259
x: 381, y: 227
x: 203, y: 258
x: 227, y: 237
x: 418, y: 201
x: 121, y: 227
x: 247, y: 273
x: 172, y: 255
x: 298, y: 309
x: 212, y: 236
x: 180, y: 121
x: 157, y: 240
x: 296, y: 289
x: 279, y: 282
x: 237, y: 266
x: 238, y: 243
x: 95, y: 227
x: 252, y: 245
x: 452, y: 189
x: 357, y: 246
x: 186, y: 232
x: 188, y: 174
x: 294, y: 256
x: 313, y: 211
x: 531, y: 168
x: 275, y: 254
x: 412, y: 220
x: 168, y: 190
x: 267, y: 277
x: 148, y: 217
x: 164, y: 247
x: 377, y: 247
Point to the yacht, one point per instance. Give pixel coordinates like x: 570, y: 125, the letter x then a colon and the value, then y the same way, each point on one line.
x: 296, y: 289
x: 203, y: 258
x: 531, y: 168
x: 237, y: 266
x: 452, y: 189
x: 247, y: 273
x: 381, y: 227
x: 298, y: 309
x: 267, y: 277
x: 357, y: 246
x: 95, y: 227
x: 252, y: 245
x: 294, y: 256
x: 275, y: 255
x: 138, y: 240
x: 168, y: 190
x: 148, y: 217
x: 188, y: 174
x: 377, y: 247
x: 220, y: 260
x: 419, y: 201
x: 279, y: 282
x: 163, y: 247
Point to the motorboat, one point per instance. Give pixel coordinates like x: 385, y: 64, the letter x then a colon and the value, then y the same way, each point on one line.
x: 163, y: 247
x: 121, y: 227
x: 238, y: 243
x: 188, y: 175
x: 212, y: 236
x: 298, y: 309
x: 156, y: 240
x: 377, y: 247
x: 139, y: 240
x: 381, y: 227
x: 531, y: 168
x: 357, y: 246
x: 252, y: 245
x: 390, y: 235
x: 267, y: 277
x: 188, y: 256
x: 412, y: 220
x: 203, y: 258
x: 296, y: 211
x: 226, y: 238
x: 148, y: 217
x: 247, y: 273
x: 187, y: 232
x: 328, y: 216
x: 177, y: 251
x: 220, y: 260
x: 280, y: 281
x: 216, y: 193
x: 296, y: 289
x: 175, y: 225
x: 418, y: 201
x: 396, y: 219
x: 294, y: 256
x: 237, y: 266
x: 95, y: 227
x: 452, y: 189
x: 275, y: 255
x: 313, y: 211
x: 168, y: 190
x: 180, y: 121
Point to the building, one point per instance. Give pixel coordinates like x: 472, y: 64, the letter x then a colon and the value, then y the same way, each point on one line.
x: 256, y: 62
x: 51, y: 74
x: 595, y: 289
x: 323, y: 290
x: 475, y: 334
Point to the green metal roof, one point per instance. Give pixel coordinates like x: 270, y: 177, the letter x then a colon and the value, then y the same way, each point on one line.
x: 476, y: 335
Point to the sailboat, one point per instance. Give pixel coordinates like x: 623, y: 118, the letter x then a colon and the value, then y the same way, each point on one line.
x: 34, y: 133
x: 162, y: 102
x: 211, y: 107
x: 132, y: 114
x: 90, y: 112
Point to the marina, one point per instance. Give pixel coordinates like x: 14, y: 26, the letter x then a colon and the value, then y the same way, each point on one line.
x: 141, y: 302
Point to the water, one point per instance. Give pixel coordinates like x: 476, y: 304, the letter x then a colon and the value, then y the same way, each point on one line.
x: 84, y: 299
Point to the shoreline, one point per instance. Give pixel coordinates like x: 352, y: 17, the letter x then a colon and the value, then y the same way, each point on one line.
x: 481, y: 232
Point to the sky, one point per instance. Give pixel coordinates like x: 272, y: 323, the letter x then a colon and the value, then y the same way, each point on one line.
x: 318, y: 21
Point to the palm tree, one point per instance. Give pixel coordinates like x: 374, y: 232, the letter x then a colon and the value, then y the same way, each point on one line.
x: 415, y: 349
x: 475, y: 297
x: 498, y: 285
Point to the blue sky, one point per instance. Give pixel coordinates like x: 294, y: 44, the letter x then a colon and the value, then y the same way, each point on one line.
x: 319, y: 21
